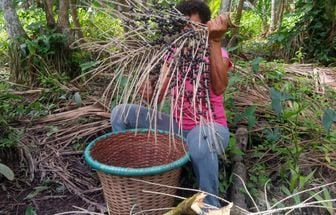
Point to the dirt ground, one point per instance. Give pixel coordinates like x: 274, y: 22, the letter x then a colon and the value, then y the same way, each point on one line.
x: 43, y: 204
x: 43, y: 197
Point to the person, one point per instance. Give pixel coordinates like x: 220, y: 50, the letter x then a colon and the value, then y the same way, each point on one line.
x: 203, y: 151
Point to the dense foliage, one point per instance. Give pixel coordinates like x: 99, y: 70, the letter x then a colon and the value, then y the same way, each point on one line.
x: 311, y: 30
x: 299, y: 125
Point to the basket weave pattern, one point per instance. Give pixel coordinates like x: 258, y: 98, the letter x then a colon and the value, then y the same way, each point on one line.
x: 122, y: 194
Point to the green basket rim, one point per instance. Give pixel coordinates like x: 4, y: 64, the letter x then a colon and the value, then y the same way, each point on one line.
x: 123, y: 171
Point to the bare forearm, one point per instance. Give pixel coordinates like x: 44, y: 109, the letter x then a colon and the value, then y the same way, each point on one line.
x: 164, y: 80
x: 146, y: 91
x: 163, y: 89
x: 218, y: 68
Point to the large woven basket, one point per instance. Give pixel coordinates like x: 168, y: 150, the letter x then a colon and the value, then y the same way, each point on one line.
x: 121, y: 157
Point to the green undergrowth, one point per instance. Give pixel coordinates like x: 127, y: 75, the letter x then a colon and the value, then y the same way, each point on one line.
x: 16, y: 109
x: 292, y: 130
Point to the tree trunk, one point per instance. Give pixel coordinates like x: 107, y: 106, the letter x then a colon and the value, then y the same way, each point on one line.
x: 332, y: 33
x: 75, y: 18
x: 234, y: 38
x: 273, y: 17
x: 13, y: 25
x: 48, y: 4
x: 63, y: 24
x: 239, y: 169
x: 239, y: 12
x: 62, y: 58
x: 265, y: 18
x: 331, y: 13
x: 225, y: 6
x: 279, y: 14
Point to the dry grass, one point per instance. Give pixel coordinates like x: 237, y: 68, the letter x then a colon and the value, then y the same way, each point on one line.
x: 51, y: 152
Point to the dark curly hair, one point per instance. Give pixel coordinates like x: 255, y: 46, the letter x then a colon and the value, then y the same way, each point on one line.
x: 189, y: 7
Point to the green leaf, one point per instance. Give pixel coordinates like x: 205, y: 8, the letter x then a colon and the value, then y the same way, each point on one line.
x: 249, y: 115
x: 276, y: 103
x: 255, y: 64
x: 273, y: 135
x: 221, y: 188
x: 295, y: 175
x: 276, y: 106
x: 303, y: 180
x: 293, y: 111
x: 328, y: 205
x: 6, y: 171
x: 326, y: 194
x: 96, y: 4
x: 296, y: 198
x: 88, y: 65
x: 251, y: 121
x: 280, y: 95
x: 30, y: 211
x: 32, y: 47
x: 123, y: 81
x: 232, y: 48
x: 214, y: 6
x: 327, y: 158
x: 277, y: 97
x: 232, y: 141
x: 51, y: 130
x: 329, y: 116
x: 37, y: 190
x: 285, y: 190
x: 232, y: 146
x: 237, y: 151
x: 234, y: 78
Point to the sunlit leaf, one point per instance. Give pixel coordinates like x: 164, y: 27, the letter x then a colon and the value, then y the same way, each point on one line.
x: 304, y: 180
x: 294, y: 111
x: 255, y: 64
x: 214, y: 7
x: 6, y: 171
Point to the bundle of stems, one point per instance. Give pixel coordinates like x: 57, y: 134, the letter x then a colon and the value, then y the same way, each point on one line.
x: 161, y: 49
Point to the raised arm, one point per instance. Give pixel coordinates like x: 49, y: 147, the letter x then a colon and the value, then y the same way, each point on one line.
x: 219, y: 66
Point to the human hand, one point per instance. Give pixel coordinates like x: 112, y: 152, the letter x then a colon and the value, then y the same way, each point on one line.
x: 217, y: 28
